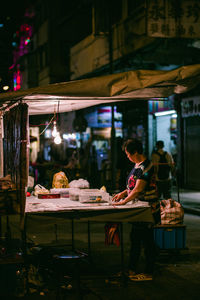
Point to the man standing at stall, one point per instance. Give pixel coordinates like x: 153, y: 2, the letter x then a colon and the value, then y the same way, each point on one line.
x: 164, y: 168
x: 140, y: 186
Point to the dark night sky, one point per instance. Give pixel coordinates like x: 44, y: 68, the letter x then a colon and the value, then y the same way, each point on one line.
x: 11, y: 15
x: 12, y: 8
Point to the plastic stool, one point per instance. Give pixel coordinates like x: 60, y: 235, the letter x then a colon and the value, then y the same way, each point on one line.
x: 68, y: 262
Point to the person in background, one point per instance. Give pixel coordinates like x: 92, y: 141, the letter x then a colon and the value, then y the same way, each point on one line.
x: 140, y: 186
x: 123, y: 165
x: 163, y: 168
x: 72, y: 167
x: 40, y: 169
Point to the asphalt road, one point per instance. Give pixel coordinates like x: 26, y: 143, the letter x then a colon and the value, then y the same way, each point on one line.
x: 177, y: 275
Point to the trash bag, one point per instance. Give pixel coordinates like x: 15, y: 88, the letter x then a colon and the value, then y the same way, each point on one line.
x: 171, y: 211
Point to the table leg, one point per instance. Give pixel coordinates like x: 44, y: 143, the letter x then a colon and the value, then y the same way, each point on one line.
x: 24, y: 238
x: 89, y: 242
x: 8, y: 231
x: 72, y: 228
x: 122, y: 246
x: 123, y: 275
x: 24, y: 251
x: 0, y: 227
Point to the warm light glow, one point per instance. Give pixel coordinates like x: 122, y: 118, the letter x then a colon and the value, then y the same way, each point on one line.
x: 5, y: 87
x: 57, y: 139
x: 54, y: 132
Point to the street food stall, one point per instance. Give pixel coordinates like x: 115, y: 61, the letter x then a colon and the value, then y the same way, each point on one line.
x: 15, y: 107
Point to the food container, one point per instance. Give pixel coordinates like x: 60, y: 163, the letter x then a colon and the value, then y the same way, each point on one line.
x: 48, y: 196
x: 93, y: 196
x: 64, y: 192
x: 74, y: 194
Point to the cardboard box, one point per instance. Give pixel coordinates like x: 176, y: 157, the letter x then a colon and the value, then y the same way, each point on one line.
x: 170, y: 236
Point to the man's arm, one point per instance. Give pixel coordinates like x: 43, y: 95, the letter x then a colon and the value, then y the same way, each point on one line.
x: 170, y: 162
x: 139, y: 187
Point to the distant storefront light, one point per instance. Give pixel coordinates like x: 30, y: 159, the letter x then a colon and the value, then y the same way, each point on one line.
x: 27, y: 41
x: 17, y: 80
x: 67, y: 136
x: 5, y: 87
x: 47, y: 133
x: 102, y: 117
x: 174, y: 116
x: 164, y: 113
x: 160, y: 105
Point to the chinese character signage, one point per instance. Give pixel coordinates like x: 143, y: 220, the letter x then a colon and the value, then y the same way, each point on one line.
x: 190, y: 107
x: 173, y: 18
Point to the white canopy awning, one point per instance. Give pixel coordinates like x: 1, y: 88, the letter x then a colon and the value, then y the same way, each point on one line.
x: 126, y: 86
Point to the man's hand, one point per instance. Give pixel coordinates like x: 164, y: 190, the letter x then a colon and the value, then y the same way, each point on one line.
x: 118, y: 196
x: 119, y: 203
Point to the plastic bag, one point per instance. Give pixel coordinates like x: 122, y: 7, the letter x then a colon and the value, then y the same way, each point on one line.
x: 39, y: 189
x: 79, y: 183
x: 30, y: 181
x: 60, y: 181
x: 6, y: 183
x: 171, y: 211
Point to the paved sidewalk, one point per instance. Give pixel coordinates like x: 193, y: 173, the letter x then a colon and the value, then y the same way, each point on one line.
x: 189, y: 199
x: 177, y: 274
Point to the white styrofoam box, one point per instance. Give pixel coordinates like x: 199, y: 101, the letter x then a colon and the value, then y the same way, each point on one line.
x: 74, y: 194
x: 93, y: 195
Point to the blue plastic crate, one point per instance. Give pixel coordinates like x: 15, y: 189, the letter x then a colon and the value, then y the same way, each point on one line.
x: 170, y: 236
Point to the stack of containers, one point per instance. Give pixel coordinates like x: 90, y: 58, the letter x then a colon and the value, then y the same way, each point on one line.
x: 93, y: 196
x: 82, y: 195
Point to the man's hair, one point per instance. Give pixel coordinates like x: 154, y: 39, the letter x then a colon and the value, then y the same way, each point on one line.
x: 132, y: 146
x: 160, y: 144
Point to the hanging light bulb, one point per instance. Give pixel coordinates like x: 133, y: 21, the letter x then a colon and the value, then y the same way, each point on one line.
x: 54, y: 132
x: 57, y: 139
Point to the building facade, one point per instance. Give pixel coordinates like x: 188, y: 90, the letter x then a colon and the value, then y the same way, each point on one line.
x: 82, y: 39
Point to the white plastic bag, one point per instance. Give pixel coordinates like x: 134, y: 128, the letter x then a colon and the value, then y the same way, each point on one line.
x: 79, y: 183
x: 30, y: 181
x: 39, y: 189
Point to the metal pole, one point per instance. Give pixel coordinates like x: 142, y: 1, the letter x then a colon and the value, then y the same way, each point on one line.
x: 113, y: 154
x: 89, y: 243
x: 72, y: 224
x: 1, y: 145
